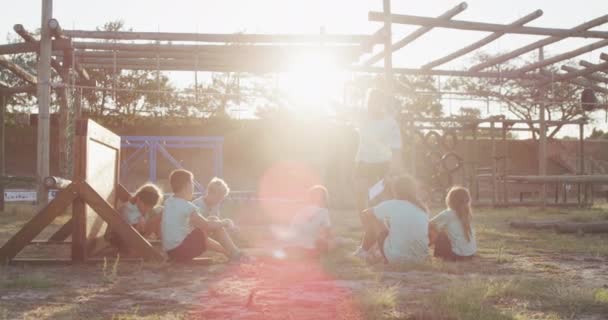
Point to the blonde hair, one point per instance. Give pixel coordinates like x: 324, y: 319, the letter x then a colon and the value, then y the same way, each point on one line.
x: 217, y: 185
x: 459, y: 200
x: 405, y: 188
x: 318, y: 195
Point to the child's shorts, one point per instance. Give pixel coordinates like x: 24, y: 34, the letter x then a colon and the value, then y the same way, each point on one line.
x: 193, y: 246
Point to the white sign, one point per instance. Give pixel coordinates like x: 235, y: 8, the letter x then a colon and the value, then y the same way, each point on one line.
x: 24, y: 195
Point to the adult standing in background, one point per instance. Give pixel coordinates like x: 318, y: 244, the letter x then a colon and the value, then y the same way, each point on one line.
x: 379, y: 151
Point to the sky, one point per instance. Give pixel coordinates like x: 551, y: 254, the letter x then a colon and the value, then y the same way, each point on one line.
x: 335, y: 16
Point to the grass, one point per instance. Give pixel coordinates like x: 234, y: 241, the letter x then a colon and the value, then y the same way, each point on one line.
x: 518, y: 274
x: 515, y: 298
x: 30, y: 281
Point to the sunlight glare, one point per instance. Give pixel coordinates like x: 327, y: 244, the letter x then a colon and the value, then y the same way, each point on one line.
x: 312, y: 82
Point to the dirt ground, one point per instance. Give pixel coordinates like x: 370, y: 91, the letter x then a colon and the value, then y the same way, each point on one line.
x: 516, y: 275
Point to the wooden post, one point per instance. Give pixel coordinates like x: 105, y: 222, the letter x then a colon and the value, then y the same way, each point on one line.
x: 44, y: 101
x: 505, y: 147
x: 2, y: 153
x: 542, y: 139
x: 581, y: 156
x: 494, y: 164
x: 388, y: 42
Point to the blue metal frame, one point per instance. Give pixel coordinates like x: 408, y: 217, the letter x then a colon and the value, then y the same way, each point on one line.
x: 152, y: 145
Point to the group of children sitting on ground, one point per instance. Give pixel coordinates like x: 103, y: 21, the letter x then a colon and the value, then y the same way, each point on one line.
x: 396, y: 230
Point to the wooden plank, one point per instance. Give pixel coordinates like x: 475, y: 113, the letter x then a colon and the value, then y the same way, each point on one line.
x: 450, y: 73
x: 3, y: 99
x: 132, y: 238
x: 537, y: 44
x: 99, y: 158
x: 122, y: 193
x: 597, y: 178
x: 18, y: 90
x: 56, y: 183
x: 591, y: 77
x: 591, y: 227
x: 223, y: 38
x: 564, y: 56
x: 42, y: 219
x: 415, y: 35
x: 480, y: 43
x: 64, y: 232
x: 571, y: 75
x: 20, y: 47
x: 588, y: 64
x: 18, y: 70
x: 481, y: 26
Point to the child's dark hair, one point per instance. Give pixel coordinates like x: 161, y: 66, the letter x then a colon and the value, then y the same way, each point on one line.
x: 149, y: 194
x: 318, y: 195
x: 459, y: 200
x: 179, y: 179
x: 405, y: 188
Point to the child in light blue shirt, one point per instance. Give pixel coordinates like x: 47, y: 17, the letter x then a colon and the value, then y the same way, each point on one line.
x: 452, y: 230
x: 184, y: 230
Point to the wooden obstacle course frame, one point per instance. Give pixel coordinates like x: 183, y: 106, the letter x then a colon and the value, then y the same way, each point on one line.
x: 80, y: 194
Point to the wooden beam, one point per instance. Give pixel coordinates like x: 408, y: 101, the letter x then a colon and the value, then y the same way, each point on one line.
x: 589, y: 76
x: 537, y: 44
x: 42, y: 219
x: 56, y: 29
x: 564, y: 56
x: 451, y: 73
x: 572, y: 75
x: 56, y: 182
x: 18, y: 89
x: 588, y: 64
x: 28, y: 37
x: 223, y: 38
x: 581, y: 82
x: 132, y: 238
x: 27, y: 47
x: 17, y: 48
x: 604, y: 56
x: 486, y: 40
x: 388, y: 53
x: 63, y: 233
x: 3, y: 102
x: 18, y: 70
x: 416, y: 34
x: 480, y: 26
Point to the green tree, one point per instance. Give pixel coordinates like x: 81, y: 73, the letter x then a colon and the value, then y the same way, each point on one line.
x: 522, y: 98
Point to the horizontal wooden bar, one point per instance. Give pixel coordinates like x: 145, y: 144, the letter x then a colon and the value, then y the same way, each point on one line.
x: 451, y: 73
x: 416, y: 34
x: 56, y: 182
x: 480, y: 43
x: 18, y: 90
x: 571, y: 75
x: 27, y: 47
x: 591, y: 77
x: 560, y: 178
x: 481, y: 26
x: 564, y: 56
x: 538, y: 44
x: 203, y: 261
x: 223, y: 38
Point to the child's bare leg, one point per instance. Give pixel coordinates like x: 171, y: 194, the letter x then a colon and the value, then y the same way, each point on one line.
x: 223, y: 238
x: 213, y: 245
x: 370, y: 236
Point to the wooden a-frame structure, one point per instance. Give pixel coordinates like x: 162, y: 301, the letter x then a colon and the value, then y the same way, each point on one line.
x: 92, y: 195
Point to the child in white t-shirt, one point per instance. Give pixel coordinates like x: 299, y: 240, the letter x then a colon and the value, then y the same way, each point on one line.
x: 216, y: 192
x: 310, y: 228
x: 184, y: 230
x: 452, y: 230
x: 397, y: 228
